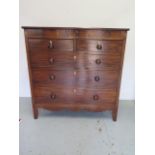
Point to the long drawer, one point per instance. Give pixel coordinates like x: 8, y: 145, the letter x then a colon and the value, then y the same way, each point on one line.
x: 76, y: 33
x: 81, y: 79
x: 85, y: 96
x: 75, y: 61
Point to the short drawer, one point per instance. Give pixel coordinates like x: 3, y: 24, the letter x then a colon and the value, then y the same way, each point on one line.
x: 101, y: 34
x: 47, y: 94
x: 99, y: 46
x: 96, y: 79
x: 59, y: 61
x: 67, y: 95
x: 53, y: 78
x: 98, y: 62
x: 50, y: 45
x: 50, y: 33
x: 95, y: 96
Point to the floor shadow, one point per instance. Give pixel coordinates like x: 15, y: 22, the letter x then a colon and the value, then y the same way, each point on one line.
x: 79, y: 114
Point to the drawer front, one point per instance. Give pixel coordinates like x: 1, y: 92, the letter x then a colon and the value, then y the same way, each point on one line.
x: 95, y: 96
x: 75, y: 61
x: 99, y: 46
x: 66, y: 95
x: 101, y: 34
x: 51, y: 33
x: 96, y: 79
x: 50, y: 45
x: 80, y: 79
x: 96, y: 61
x: 54, y: 61
x: 46, y: 94
x: 53, y: 78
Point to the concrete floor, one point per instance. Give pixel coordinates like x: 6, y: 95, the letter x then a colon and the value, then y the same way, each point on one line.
x: 76, y: 133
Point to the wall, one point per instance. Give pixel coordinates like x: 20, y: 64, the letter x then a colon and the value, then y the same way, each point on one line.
x: 79, y: 13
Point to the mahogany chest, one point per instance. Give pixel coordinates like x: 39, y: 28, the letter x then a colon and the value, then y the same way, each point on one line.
x: 75, y: 68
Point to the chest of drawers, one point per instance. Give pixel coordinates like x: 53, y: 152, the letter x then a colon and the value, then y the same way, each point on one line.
x: 75, y: 68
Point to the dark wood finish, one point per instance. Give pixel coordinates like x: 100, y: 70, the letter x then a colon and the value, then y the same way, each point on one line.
x: 75, y: 68
x: 101, y: 34
x: 51, y: 33
x: 96, y: 61
x: 99, y: 46
x: 98, y: 79
x: 75, y: 60
x: 46, y: 94
x: 50, y: 45
x: 54, y: 61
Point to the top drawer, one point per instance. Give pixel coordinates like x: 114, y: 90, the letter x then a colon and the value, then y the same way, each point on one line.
x: 99, y: 46
x: 76, y: 33
x: 50, y: 45
x: 50, y: 33
x: 101, y: 34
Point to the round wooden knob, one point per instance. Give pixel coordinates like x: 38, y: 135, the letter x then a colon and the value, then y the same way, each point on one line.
x: 97, y: 78
x: 53, y: 96
x: 74, y: 90
x: 52, y: 77
x: 75, y: 73
x: 98, y: 61
x: 96, y: 97
x: 75, y: 57
x: 99, y: 47
x: 50, y: 45
x: 51, y: 60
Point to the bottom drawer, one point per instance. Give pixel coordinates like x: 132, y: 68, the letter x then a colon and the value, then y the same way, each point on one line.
x: 71, y: 95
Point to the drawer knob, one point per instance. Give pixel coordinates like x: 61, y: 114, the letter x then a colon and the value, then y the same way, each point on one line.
x: 50, y: 45
x: 99, y: 47
x: 53, y: 96
x: 98, y: 61
x: 75, y: 57
x: 96, y: 97
x: 97, y: 78
x: 75, y: 73
x: 74, y: 90
x: 51, y: 61
x: 52, y: 77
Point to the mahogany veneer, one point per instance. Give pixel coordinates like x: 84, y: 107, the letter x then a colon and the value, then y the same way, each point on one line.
x: 75, y: 68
